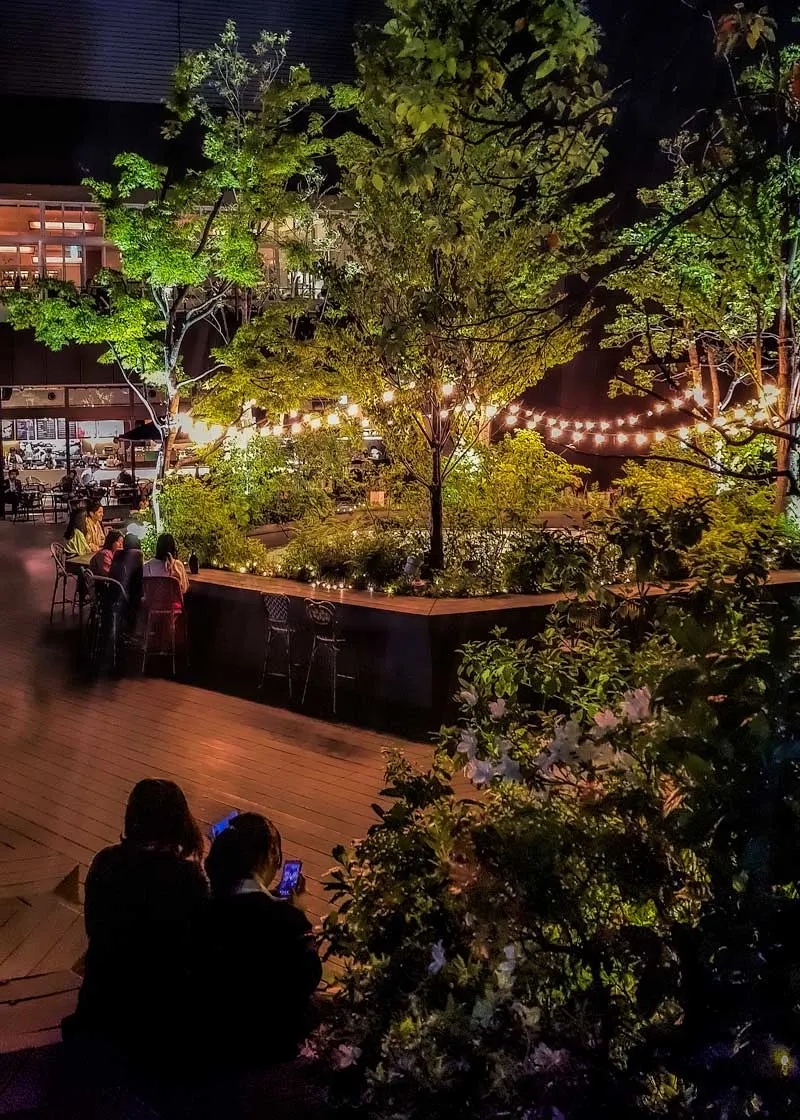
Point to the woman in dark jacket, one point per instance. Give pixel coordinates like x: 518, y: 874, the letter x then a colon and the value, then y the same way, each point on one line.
x: 144, y: 909
x: 261, y: 962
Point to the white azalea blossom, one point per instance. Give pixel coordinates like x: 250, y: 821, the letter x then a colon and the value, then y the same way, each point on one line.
x: 507, y: 768
x: 546, y: 1060
x: 479, y: 771
x: 505, y: 970
x: 636, y: 705
x: 563, y: 748
x: 469, y: 697
x: 438, y: 959
x: 345, y: 1056
x: 497, y: 709
x: 468, y: 744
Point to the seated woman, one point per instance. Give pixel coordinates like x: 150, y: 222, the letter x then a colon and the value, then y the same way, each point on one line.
x: 75, y: 542
x: 144, y: 899
x: 95, y: 533
x: 262, y: 966
x: 166, y: 562
x: 100, y: 563
x: 126, y: 568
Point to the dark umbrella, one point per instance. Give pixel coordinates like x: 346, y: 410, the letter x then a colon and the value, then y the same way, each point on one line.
x: 142, y: 433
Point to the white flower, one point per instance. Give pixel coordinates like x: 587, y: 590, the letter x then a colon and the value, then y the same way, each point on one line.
x: 438, y: 959
x: 606, y: 720
x: 507, y: 768
x: 468, y: 744
x: 497, y: 709
x: 636, y: 705
x: 546, y: 1060
x: 505, y: 969
x: 563, y: 748
x: 479, y: 771
x: 469, y: 697
x: 345, y: 1055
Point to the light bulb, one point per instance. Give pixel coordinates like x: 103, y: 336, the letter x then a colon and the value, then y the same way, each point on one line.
x: 511, y: 419
x: 343, y: 399
x: 447, y: 388
x: 491, y: 410
x: 622, y: 438
x: 604, y: 425
x: 578, y: 436
x: 277, y: 430
x: 598, y: 439
x: 513, y: 408
x: 443, y: 413
x: 659, y: 408
x: 296, y: 428
x: 388, y: 396
x: 315, y: 423
x: 352, y: 410
x: 701, y: 426
x: 659, y: 437
x: 632, y: 420
x: 333, y: 419
x: 641, y: 439
x: 683, y: 433
x: 589, y: 425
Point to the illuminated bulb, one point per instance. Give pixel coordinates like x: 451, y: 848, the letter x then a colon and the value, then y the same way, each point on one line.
x: 553, y: 423
x: 513, y: 408
x: 604, y: 425
x: 530, y: 424
x: 556, y: 433
x: 632, y: 420
x: 538, y: 417
x: 622, y: 438
x: 364, y: 422
x: 388, y: 396
x: 412, y: 385
x: 683, y: 433
x: 739, y: 413
x: 598, y: 439
x: 641, y: 439
x: 589, y: 425
x: 659, y: 437
x: 659, y: 408
x: 491, y: 410
x: 447, y: 388
x: 578, y: 436
x: 649, y: 412
x: 511, y: 419
x: 307, y: 418
x: 352, y: 410
x: 620, y: 421
x: 343, y: 399
x: 316, y: 423
x: 444, y: 413
x: 698, y: 395
x: 578, y: 425
x: 469, y: 407
x: 676, y: 402
x: 719, y: 422
x: 770, y: 392
x: 701, y: 426
x: 333, y: 419
x: 296, y: 428
x: 277, y: 430
x: 293, y: 414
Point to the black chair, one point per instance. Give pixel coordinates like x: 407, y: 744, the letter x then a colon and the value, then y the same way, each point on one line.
x: 63, y: 576
x: 276, y: 624
x: 108, y: 603
x: 326, y: 643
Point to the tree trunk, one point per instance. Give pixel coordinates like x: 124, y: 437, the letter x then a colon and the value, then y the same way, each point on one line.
x: 171, y: 433
x: 786, y: 455
x: 713, y: 377
x: 436, y: 558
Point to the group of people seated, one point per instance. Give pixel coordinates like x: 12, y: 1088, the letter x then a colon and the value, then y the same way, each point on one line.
x: 178, y: 945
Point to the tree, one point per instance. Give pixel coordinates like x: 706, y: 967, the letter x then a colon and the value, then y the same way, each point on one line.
x: 481, y: 128
x: 191, y: 240
x: 712, y: 275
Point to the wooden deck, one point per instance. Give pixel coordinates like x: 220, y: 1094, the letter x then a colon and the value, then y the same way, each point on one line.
x: 70, y: 753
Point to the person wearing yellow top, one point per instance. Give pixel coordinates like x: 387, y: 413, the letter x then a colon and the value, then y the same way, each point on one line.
x: 95, y: 533
x: 75, y: 542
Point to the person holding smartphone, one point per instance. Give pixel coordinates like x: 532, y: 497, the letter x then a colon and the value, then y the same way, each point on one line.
x: 262, y: 966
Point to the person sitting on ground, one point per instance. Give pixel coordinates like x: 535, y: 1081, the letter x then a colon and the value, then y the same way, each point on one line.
x: 166, y: 562
x: 100, y: 564
x: 262, y: 966
x: 144, y: 906
x: 126, y: 568
x: 95, y: 533
x: 75, y: 542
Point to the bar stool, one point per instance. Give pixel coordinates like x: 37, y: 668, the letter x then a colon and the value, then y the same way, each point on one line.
x: 276, y: 624
x: 327, y: 642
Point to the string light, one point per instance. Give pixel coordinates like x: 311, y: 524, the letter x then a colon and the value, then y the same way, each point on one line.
x: 511, y: 419
x: 315, y: 423
x: 296, y: 428
x: 622, y: 437
x: 352, y: 410
x: 491, y: 410
x: 388, y: 396
x: 640, y: 440
x: 599, y: 440
x: 447, y: 389
x: 333, y: 419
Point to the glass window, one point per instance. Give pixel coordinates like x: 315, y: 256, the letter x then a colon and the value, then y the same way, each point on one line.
x: 85, y: 396
x: 61, y: 429
x: 46, y: 429
x: 25, y: 429
x: 36, y: 398
x: 8, y: 429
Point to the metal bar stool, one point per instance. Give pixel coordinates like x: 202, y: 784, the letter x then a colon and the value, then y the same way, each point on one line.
x: 107, y: 602
x: 58, y: 552
x: 276, y: 624
x: 327, y: 642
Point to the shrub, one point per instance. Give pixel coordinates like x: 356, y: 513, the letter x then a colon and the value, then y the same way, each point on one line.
x: 551, y: 561
x: 608, y: 930
x: 358, y: 552
x: 198, y: 516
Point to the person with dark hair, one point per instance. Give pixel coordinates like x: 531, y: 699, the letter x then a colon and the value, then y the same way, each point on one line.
x: 144, y: 903
x: 126, y: 568
x: 12, y: 491
x: 101, y: 562
x: 261, y: 961
x: 75, y: 542
x: 95, y: 533
x: 166, y: 562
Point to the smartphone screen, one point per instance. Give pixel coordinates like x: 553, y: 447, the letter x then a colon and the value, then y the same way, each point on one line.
x: 289, y: 878
x: 220, y: 826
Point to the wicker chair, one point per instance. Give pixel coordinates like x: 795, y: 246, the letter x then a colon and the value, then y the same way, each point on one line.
x: 326, y: 643
x: 276, y: 625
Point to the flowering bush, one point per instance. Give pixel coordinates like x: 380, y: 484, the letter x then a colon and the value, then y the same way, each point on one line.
x: 605, y: 926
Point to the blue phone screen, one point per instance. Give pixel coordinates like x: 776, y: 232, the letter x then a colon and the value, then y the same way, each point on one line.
x: 290, y: 877
x: 220, y: 826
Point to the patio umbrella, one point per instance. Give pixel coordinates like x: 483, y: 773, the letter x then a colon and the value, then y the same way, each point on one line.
x: 142, y: 433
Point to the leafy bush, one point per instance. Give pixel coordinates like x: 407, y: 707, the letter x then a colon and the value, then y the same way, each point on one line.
x: 608, y: 930
x: 551, y: 561
x: 199, y: 517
